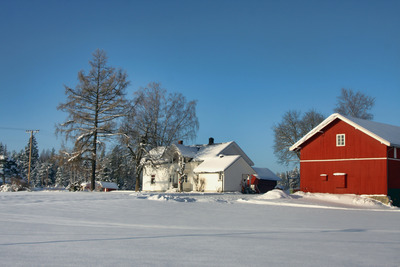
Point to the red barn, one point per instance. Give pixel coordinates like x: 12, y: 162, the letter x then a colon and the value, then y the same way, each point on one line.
x: 345, y: 155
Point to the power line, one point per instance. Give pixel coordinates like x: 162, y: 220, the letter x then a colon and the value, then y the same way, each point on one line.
x: 12, y: 129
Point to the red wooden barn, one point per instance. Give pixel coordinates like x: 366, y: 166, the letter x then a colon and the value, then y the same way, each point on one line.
x: 345, y: 155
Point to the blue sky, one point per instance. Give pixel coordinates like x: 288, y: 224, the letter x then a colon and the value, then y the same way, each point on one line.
x: 246, y: 62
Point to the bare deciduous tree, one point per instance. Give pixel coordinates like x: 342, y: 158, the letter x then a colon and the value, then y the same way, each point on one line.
x: 293, y: 127
x: 355, y: 104
x: 93, y: 108
x: 157, y: 119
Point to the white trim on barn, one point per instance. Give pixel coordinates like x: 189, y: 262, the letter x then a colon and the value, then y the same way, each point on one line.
x: 384, y: 133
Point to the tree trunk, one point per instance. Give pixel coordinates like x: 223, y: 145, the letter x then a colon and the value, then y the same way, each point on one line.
x: 137, y: 184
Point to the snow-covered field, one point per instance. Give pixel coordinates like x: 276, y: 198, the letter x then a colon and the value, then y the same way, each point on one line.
x: 139, y: 229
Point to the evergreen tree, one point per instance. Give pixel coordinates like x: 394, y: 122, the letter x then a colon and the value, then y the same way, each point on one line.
x: 24, y: 159
x: 61, y: 177
x: 35, y: 180
x: 122, y: 167
x: 3, y: 150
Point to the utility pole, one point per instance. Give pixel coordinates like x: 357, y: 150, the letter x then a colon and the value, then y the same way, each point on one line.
x: 30, y: 153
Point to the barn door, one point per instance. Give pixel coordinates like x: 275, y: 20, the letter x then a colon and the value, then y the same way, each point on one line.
x: 340, y: 180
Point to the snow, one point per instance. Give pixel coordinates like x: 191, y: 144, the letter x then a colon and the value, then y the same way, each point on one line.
x: 217, y: 164
x: 46, y: 228
x: 385, y: 133
x: 187, y: 151
x: 108, y: 185
x: 202, y: 152
x: 265, y: 174
x: 211, y: 151
x: 389, y: 133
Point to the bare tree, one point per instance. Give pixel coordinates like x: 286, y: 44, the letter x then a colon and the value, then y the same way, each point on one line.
x: 355, y: 104
x: 93, y: 108
x: 157, y: 119
x: 293, y: 127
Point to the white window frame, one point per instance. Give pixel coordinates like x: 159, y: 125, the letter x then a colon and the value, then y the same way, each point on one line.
x: 341, y: 140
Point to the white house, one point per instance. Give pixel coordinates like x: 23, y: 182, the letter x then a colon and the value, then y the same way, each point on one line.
x: 211, y: 167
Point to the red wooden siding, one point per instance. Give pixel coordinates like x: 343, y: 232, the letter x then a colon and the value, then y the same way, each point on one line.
x: 362, y: 177
x: 394, y: 174
x: 360, y: 166
x: 358, y: 144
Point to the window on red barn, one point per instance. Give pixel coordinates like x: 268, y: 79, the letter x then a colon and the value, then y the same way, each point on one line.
x: 340, y: 140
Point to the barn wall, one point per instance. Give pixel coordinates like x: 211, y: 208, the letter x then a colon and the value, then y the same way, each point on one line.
x: 394, y: 180
x: 358, y: 144
x: 363, y: 159
x: 362, y: 177
x: 394, y: 173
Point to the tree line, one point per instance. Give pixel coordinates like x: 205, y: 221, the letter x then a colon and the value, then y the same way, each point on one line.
x: 113, y: 135
x: 100, y: 114
x: 52, y: 169
x: 294, y: 125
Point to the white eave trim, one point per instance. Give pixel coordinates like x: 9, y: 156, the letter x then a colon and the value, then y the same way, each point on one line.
x: 326, y: 122
x: 339, y: 174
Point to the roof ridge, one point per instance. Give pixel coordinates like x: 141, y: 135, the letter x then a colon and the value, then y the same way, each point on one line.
x: 382, y: 133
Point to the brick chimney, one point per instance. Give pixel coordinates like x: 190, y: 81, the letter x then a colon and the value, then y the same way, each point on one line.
x: 180, y: 142
x: 210, y: 141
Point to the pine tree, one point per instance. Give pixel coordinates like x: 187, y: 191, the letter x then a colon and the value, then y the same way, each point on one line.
x: 3, y: 150
x: 62, y: 177
x: 35, y: 180
x: 24, y: 158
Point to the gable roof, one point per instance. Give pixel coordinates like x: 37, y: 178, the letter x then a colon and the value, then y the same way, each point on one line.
x: 265, y: 174
x: 216, y: 164
x: 203, y: 152
x: 385, y: 133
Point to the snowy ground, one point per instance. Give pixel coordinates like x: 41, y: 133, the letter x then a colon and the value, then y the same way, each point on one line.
x: 139, y: 229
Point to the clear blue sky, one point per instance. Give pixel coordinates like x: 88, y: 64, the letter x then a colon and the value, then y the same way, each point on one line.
x: 246, y: 62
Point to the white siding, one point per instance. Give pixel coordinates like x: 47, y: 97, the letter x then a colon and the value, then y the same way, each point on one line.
x: 161, y: 174
x: 212, y: 182
x: 233, y: 175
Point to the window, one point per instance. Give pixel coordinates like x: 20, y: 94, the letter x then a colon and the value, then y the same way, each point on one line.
x: 340, y: 140
x: 153, y: 179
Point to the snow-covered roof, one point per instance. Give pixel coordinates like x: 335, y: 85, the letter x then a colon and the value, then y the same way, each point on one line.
x: 265, y: 174
x: 385, y: 133
x: 203, y: 152
x: 216, y: 164
x: 187, y: 151
x: 108, y: 185
x: 209, y: 151
x: 157, y: 152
